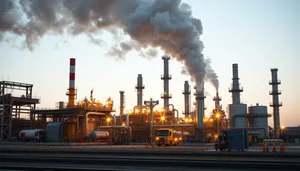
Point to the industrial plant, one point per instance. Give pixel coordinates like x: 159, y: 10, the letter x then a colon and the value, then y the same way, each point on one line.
x: 92, y: 120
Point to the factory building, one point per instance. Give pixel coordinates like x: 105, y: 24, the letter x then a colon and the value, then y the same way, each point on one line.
x: 77, y: 120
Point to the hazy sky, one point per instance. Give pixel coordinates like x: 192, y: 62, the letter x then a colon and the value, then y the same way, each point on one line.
x: 258, y: 35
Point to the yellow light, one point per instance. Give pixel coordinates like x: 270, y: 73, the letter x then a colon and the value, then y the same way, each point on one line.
x: 162, y: 118
x: 108, y: 119
x: 282, y: 127
x: 211, y: 120
x: 176, y: 139
x: 217, y: 115
x: 157, y: 138
x: 123, y: 124
x: 186, y: 119
x: 191, y: 119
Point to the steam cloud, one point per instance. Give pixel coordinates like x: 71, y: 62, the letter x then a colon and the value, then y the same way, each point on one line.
x: 167, y: 24
x: 211, y: 76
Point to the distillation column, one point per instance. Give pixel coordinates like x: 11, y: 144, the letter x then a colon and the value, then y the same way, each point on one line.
x: 122, y: 103
x: 187, y: 99
x: 166, y: 77
x: 217, y: 100
x: 200, y: 113
x: 139, y: 87
x: 275, y: 104
x: 235, y: 89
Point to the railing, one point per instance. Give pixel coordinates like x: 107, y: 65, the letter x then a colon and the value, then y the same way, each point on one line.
x: 276, y: 82
x: 275, y: 92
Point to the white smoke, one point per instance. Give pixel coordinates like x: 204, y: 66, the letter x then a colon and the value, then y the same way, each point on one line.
x: 167, y: 24
x: 211, y: 75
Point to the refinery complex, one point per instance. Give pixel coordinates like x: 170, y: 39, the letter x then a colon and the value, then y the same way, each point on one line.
x: 91, y: 120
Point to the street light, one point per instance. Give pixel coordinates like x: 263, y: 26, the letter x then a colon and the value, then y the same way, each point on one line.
x: 162, y: 118
x: 108, y: 120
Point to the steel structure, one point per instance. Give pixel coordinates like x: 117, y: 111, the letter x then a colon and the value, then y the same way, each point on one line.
x: 275, y: 104
x: 11, y: 107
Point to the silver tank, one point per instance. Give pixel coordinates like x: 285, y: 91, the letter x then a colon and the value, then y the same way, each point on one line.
x: 97, y: 135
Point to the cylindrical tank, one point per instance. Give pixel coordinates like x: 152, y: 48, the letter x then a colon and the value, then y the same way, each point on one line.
x: 97, y: 135
x: 61, y: 104
x: 238, y: 115
x: 33, y: 134
x: 259, y: 119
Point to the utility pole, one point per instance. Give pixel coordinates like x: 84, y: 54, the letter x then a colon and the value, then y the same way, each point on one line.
x: 151, y: 105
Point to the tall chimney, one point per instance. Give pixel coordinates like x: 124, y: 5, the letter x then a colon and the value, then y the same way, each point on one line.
x: 235, y: 89
x: 122, y: 103
x: 200, y: 107
x: 275, y: 104
x: 217, y: 100
x: 140, y: 88
x: 71, y: 91
x: 166, y: 77
x: 186, y: 92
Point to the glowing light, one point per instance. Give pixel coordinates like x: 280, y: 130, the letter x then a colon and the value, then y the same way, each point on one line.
x: 217, y: 115
x: 108, y: 119
x: 162, y: 118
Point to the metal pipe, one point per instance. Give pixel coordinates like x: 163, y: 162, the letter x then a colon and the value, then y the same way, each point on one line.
x: 127, y: 120
x: 86, y: 120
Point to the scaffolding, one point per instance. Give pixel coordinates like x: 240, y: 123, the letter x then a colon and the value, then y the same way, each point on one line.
x: 11, y: 108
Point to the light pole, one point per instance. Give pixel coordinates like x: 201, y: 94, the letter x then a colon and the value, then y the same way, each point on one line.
x: 151, y: 105
x: 218, y: 116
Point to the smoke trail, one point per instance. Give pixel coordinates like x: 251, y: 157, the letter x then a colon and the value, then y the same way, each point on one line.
x: 211, y: 76
x: 167, y: 24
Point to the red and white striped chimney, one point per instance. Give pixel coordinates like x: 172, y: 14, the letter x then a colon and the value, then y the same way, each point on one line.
x: 72, y: 73
x: 72, y: 92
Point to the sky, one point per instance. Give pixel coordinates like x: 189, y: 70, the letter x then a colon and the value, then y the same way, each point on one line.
x: 257, y: 35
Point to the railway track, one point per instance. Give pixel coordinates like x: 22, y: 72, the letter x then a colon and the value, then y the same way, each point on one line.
x: 29, y: 162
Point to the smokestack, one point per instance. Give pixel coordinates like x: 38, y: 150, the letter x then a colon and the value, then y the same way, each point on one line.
x: 235, y: 89
x: 140, y: 88
x: 186, y: 92
x: 122, y: 103
x: 72, y: 91
x: 276, y: 104
x: 91, y: 97
x: 200, y: 108
x: 217, y: 100
x: 166, y: 77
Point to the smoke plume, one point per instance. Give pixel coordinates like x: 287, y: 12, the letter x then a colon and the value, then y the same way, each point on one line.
x: 167, y: 24
x: 211, y: 76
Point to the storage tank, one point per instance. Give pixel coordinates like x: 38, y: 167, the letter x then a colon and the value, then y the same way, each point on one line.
x: 33, y: 134
x: 54, y: 132
x: 238, y: 115
x: 98, y: 135
x: 258, y: 118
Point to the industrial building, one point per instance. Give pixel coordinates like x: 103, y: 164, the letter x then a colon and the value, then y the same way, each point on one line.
x: 78, y: 120
x: 13, y: 106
